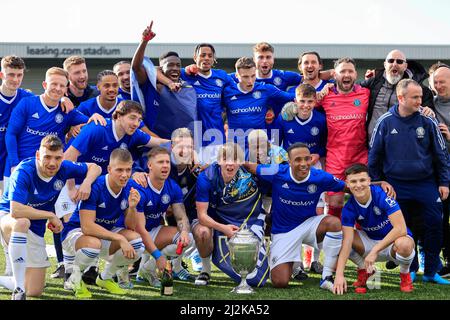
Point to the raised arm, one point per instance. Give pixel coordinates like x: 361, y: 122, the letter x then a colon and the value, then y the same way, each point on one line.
x: 138, y: 57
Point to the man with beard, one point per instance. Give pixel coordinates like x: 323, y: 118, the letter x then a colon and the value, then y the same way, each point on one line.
x: 79, y: 90
x: 122, y: 71
x: 382, y: 85
x: 310, y: 65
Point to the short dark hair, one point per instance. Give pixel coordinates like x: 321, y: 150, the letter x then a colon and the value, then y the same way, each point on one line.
x: 168, y: 54
x: 344, y: 60
x: 125, y: 107
x: 157, y: 150
x: 52, y: 143
x: 120, y: 63
x: 296, y: 145
x: 122, y: 155
x: 310, y: 52
x: 105, y: 73
x: 356, y: 168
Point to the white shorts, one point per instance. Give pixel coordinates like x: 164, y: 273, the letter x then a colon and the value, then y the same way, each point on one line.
x: 64, y: 205
x: 383, y: 255
x: 71, y: 239
x: 286, y: 247
x: 36, y: 247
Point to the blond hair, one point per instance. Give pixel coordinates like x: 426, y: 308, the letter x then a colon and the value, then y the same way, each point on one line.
x: 230, y: 150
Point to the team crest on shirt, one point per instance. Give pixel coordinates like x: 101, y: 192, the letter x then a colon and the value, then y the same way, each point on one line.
x: 390, y: 202
x: 219, y: 83
x: 312, y: 188
x: 123, y: 204
x: 59, y: 118
x: 377, y: 210
x: 420, y: 132
x: 165, y: 199
x: 58, y: 185
x: 256, y: 94
x: 314, y: 131
x: 277, y: 81
x: 356, y: 102
x: 123, y: 145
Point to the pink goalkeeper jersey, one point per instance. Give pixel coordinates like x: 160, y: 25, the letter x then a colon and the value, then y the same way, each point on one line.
x: 346, y: 122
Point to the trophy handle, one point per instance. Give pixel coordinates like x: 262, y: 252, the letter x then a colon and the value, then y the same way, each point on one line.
x: 224, y: 257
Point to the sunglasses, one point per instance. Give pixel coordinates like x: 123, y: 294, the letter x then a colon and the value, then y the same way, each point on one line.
x: 399, y: 61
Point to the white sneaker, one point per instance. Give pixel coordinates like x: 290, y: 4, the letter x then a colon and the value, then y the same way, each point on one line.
x: 327, y: 283
x: 196, y: 261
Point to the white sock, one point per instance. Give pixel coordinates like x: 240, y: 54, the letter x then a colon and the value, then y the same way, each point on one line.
x: 84, y: 257
x: 357, y: 259
x: 144, y: 258
x: 119, y: 261
x: 68, y: 261
x: 170, y: 251
x: 18, y: 257
x: 316, y: 254
x: 331, y: 247
x: 405, y: 262
x: 8, y: 267
x: 7, y: 282
x: 206, y: 265
x: 176, y: 264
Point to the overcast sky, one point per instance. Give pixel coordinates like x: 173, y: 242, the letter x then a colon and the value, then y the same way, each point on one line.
x: 230, y: 21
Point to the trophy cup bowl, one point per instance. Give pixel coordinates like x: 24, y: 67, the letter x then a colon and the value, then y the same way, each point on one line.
x: 244, y: 250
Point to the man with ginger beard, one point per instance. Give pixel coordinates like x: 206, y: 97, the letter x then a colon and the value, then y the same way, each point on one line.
x: 79, y: 90
x: 384, y: 81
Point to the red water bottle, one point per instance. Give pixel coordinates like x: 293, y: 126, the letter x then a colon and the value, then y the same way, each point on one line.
x: 179, y: 248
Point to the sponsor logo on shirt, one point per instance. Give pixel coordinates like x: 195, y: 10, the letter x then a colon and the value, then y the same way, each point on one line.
x: 35, y: 115
x: 296, y: 203
x: 40, y: 133
x: 378, y: 227
x: 2, y: 129
x: 153, y: 215
x: 106, y: 221
x: 102, y: 205
x: 290, y: 131
x: 394, y: 131
x: 354, y: 116
x: 209, y: 96
x: 150, y: 203
x: 196, y: 83
x: 360, y: 217
x: 286, y: 186
x: 248, y: 109
x: 98, y: 159
x: 233, y: 98
x: 391, y: 202
x: 105, y: 148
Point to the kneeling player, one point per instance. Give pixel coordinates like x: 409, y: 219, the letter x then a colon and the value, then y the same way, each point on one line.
x: 160, y: 192
x: 383, y: 235
x: 28, y: 204
x: 91, y: 231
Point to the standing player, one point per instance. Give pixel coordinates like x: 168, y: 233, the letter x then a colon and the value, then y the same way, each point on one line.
x: 310, y: 65
x: 38, y: 116
x: 29, y: 203
x: 308, y: 125
x: 122, y: 71
x: 160, y: 193
x: 91, y: 231
x: 246, y: 102
x: 383, y: 234
x: 79, y: 90
x: 11, y: 73
x: 296, y: 190
x: 106, y: 102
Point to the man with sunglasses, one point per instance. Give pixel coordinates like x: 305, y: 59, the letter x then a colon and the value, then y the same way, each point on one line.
x: 384, y: 81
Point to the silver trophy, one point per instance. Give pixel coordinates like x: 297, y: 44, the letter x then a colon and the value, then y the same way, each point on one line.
x: 244, y: 250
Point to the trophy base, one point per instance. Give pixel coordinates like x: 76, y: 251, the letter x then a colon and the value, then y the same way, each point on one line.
x: 243, y: 290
